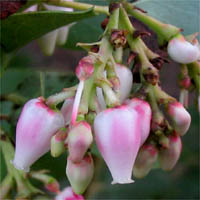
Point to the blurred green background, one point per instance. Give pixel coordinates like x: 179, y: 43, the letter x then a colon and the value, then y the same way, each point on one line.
x: 20, y: 82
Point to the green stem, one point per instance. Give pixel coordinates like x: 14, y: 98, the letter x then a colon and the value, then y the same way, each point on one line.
x: 55, y: 99
x: 6, y: 186
x: 157, y: 115
x: 118, y: 55
x: 79, y: 6
x: 194, y: 72
x: 164, y: 31
x: 83, y: 108
x: 15, y: 98
x: 113, y: 21
x: 161, y: 96
x: 24, y: 187
x: 42, y: 84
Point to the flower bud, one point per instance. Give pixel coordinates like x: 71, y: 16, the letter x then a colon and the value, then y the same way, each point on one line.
x: 118, y: 139
x: 57, y: 143
x: 144, y: 111
x: 182, y: 51
x: 126, y: 80
x: 79, y: 140
x: 145, y: 159
x: 68, y: 194
x: 180, y: 117
x: 47, y: 42
x: 80, y: 174
x: 168, y: 157
x: 35, y: 127
x: 85, y: 67
x: 66, y: 110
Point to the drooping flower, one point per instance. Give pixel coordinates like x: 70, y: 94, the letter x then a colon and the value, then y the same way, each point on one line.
x: 118, y: 138
x: 68, y: 194
x: 79, y: 140
x: 126, y: 79
x: 80, y: 174
x: 145, y: 159
x: 35, y: 127
x: 144, y: 111
x: 183, y: 51
x: 168, y: 157
x: 181, y: 119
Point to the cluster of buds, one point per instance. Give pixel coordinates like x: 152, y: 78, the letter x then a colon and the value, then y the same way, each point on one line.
x: 130, y: 129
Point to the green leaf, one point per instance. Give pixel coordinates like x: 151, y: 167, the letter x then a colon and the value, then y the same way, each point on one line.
x: 11, y: 80
x: 90, y: 30
x: 181, y: 13
x: 21, y: 28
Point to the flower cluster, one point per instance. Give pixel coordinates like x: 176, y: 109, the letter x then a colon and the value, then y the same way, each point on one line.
x: 133, y: 129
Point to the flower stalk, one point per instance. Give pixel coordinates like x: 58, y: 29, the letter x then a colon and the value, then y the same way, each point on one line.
x: 79, y: 6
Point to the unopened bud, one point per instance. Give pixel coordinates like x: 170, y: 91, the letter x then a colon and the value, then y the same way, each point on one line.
x: 145, y: 159
x: 79, y: 140
x: 179, y: 116
x: 168, y: 157
x: 57, y: 143
x: 80, y: 174
x: 85, y: 68
x: 68, y: 194
x: 183, y: 51
x: 47, y: 42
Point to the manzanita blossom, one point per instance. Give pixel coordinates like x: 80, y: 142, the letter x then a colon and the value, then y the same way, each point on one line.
x: 168, y: 157
x: 68, y: 194
x: 80, y: 174
x: 144, y: 111
x: 118, y: 139
x: 125, y: 77
x: 145, y: 159
x: 181, y: 119
x: 79, y: 140
x: 183, y: 51
x: 35, y: 127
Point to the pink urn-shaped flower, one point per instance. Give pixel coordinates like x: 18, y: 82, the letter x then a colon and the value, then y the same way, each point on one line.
x: 126, y: 79
x: 183, y: 51
x: 145, y: 159
x: 179, y: 116
x: 80, y: 174
x: 68, y: 194
x: 118, y: 139
x: 168, y: 157
x: 36, y: 125
x: 144, y: 111
x: 79, y: 140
